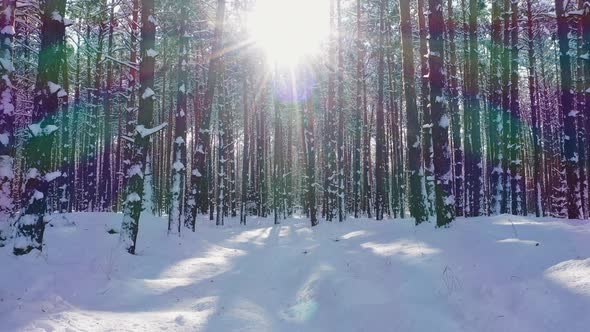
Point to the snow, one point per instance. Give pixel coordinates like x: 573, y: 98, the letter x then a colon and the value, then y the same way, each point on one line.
x: 151, y: 53
x: 4, y: 139
x: 503, y: 273
x: 143, y: 131
x: 152, y: 20
x: 8, y: 30
x: 7, y: 64
x: 53, y: 88
x: 52, y: 176
x: 133, y: 197
x: 56, y: 16
x: 147, y: 93
x: 135, y: 170
x: 6, y: 171
x: 444, y: 121
x: 178, y: 166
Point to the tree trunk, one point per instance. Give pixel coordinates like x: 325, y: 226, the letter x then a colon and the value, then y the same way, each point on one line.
x: 178, y: 175
x: 416, y: 199
x: 135, y: 187
x: 515, y: 142
x: 381, y: 147
x: 7, y: 108
x: 30, y: 226
x: 201, y: 177
x: 445, y: 202
x: 495, y: 118
x: 455, y: 113
x: 427, y: 152
x: 570, y: 155
x: 106, y: 178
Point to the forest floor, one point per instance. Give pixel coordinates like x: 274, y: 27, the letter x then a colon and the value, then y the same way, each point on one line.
x: 503, y: 273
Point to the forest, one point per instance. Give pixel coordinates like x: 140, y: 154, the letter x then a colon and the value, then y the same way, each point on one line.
x: 470, y: 109
x: 199, y: 113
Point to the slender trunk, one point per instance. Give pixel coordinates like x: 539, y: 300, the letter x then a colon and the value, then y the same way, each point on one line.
x: 381, y: 148
x: 532, y: 62
x: 416, y: 199
x: 445, y: 202
x: 427, y: 151
x: 356, y: 156
x: 569, y: 116
x: 135, y: 187
x: 455, y: 113
x: 495, y: 117
x: 175, y: 217
x: 7, y: 107
x: 106, y: 178
x: 201, y: 178
x: 473, y: 110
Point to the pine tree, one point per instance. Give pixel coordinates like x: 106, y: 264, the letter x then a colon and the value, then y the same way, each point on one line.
x: 495, y: 112
x: 416, y: 198
x: 201, y: 177
x: 455, y: 113
x: 30, y: 226
x: 135, y: 187
x: 381, y: 147
x: 445, y: 201
x: 356, y: 156
x: 472, y: 111
x: 570, y: 151
x: 515, y: 119
x: 7, y: 108
x: 175, y: 218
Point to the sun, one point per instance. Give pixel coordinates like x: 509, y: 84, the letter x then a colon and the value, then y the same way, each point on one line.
x: 288, y: 31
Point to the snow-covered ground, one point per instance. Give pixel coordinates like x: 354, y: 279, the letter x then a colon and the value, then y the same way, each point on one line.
x: 485, y: 274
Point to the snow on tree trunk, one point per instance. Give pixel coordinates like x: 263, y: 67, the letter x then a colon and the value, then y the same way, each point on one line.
x: 495, y: 112
x: 200, y: 197
x: 455, y: 113
x: 356, y: 155
x: 178, y: 174
x: 472, y: 110
x: 515, y: 128
x: 381, y: 147
x: 135, y: 187
x: 310, y: 156
x: 417, y: 206
x: 445, y: 201
x: 535, y: 116
x: 427, y: 152
x: 570, y: 151
x: 30, y: 226
x: 7, y: 103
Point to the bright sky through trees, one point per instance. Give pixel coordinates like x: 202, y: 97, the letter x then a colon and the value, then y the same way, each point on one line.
x: 289, y: 30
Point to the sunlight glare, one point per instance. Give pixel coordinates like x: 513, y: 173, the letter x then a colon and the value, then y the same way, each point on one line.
x: 289, y: 30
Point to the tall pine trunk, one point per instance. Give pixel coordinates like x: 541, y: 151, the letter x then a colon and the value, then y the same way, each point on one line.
x: 381, y: 147
x: 455, y: 113
x: 570, y: 153
x: 7, y: 108
x: 135, y: 187
x: 175, y: 217
x: 515, y: 119
x: 30, y: 226
x: 445, y: 201
x: 201, y: 177
x: 416, y: 199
